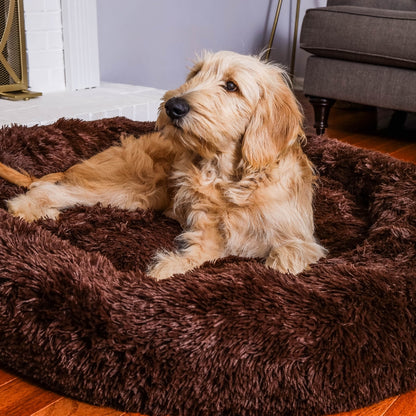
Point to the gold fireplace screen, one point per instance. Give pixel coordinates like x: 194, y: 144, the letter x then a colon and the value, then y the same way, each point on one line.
x: 13, y: 67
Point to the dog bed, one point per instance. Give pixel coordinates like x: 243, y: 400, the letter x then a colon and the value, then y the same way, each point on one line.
x: 78, y: 315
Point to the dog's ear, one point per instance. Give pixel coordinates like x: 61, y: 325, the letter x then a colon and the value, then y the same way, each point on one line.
x: 276, y: 123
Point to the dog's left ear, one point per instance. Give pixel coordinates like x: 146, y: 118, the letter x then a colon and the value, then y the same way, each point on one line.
x: 276, y: 123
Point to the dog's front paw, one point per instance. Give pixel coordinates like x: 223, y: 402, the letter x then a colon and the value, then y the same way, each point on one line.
x: 295, y: 258
x: 25, y: 207
x: 167, y: 264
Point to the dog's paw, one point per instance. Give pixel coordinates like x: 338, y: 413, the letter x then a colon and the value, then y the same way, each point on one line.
x: 24, y: 207
x: 167, y: 264
x: 295, y: 258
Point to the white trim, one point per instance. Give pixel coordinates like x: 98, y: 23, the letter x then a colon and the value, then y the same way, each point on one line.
x: 79, y: 21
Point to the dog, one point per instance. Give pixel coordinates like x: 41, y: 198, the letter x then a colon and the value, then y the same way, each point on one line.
x: 225, y: 160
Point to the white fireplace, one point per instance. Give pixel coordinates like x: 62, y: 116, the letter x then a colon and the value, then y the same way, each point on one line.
x: 63, y: 64
x: 62, y: 44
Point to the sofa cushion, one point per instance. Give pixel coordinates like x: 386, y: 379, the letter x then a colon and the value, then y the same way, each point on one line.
x: 377, y: 36
x: 409, y: 5
x: 379, y: 86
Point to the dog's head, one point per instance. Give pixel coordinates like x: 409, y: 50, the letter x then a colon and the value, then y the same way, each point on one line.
x: 229, y: 100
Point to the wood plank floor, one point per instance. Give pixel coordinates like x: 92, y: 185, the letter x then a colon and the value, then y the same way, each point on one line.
x: 358, y: 126
x: 21, y: 398
x: 353, y: 125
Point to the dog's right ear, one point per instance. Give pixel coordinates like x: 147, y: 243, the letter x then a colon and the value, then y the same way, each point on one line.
x: 276, y: 123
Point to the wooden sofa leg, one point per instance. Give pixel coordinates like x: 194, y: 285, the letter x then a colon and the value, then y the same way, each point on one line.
x: 398, y: 120
x: 321, y: 107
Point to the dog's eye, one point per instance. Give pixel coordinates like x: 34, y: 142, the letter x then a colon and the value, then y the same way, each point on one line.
x: 230, y: 86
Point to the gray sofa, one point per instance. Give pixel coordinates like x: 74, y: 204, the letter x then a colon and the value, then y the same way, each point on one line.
x: 363, y: 51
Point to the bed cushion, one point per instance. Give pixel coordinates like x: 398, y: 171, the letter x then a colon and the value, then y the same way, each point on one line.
x: 78, y: 314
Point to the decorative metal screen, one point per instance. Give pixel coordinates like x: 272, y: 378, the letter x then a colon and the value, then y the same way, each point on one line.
x: 13, y: 68
x: 12, y: 65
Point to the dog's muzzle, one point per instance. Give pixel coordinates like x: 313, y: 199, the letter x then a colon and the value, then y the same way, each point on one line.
x: 176, y: 108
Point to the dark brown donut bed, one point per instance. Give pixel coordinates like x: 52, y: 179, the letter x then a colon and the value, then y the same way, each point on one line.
x: 79, y: 316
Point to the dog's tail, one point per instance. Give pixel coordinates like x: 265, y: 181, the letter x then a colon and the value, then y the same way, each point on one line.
x: 15, y: 177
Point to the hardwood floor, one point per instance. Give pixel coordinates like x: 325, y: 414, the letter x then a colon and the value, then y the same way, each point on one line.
x: 358, y: 126
x: 353, y: 125
x: 20, y: 398
x: 403, y: 405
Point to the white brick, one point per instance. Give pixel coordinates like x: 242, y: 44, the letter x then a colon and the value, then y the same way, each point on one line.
x: 44, y: 85
x: 82, y: 116
x: 55, y: 40
x: 53, y: 5
x: 87, y: 104
x: 127, y: 111
x: 57, y: 79
x: 33, y: 5
x: 45, y: 59
x: 44, y: 21
x: 47, y: 88
x: 36, y: 41
x: 153, y: 110
x: 112, y: 113
x: 46, y: 81
x: 37, y: 78
x: 97, y: 115
x: 141, y: 112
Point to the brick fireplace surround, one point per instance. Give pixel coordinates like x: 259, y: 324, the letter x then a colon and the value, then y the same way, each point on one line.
x: 54, y: 65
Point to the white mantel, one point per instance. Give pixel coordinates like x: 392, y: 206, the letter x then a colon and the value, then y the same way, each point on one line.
x: 62, y: 44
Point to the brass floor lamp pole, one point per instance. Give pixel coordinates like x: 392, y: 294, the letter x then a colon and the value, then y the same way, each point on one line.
x: 295, y: 35
x: 276, y: 19
x: 295, y: 40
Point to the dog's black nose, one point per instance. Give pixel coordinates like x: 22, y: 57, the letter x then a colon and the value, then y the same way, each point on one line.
x: 177, y: 107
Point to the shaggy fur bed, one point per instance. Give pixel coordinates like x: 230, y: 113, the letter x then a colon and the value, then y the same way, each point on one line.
x: 78, y: 315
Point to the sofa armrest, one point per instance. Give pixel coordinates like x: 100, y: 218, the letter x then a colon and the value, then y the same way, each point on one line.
x: 407, y: 5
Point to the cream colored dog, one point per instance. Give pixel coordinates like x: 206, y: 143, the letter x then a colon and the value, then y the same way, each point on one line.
x: 226, y: 162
